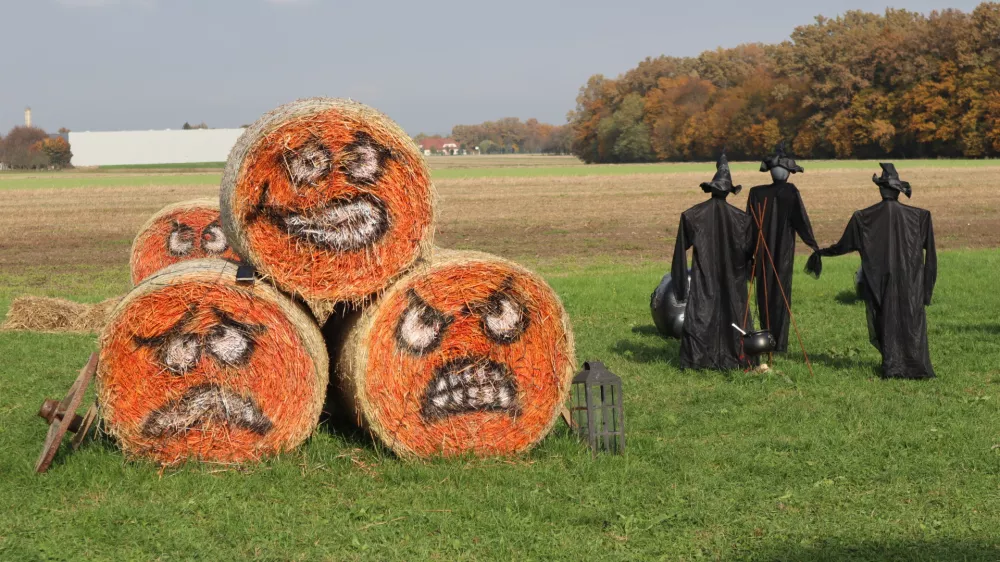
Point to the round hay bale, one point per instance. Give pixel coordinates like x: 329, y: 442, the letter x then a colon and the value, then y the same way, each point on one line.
x: 194, y: 365
x: 181, y: 231
x: 470, y: 354
x: 45, y: 314
x: 330, y: 199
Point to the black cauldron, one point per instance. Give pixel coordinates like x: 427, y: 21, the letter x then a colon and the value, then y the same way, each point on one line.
x: 667, y: 311
x: 756, y: 343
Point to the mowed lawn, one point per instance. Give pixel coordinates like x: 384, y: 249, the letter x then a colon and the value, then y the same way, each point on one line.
x: 729, y: 466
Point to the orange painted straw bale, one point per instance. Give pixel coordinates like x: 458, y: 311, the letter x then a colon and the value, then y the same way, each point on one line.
x: 328, y: 198
x: 470, y: 354
x: 195, y: 366
x: 180, y: 231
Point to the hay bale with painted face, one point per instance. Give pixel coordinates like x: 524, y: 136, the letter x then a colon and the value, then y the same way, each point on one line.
x: 470, y: 354
x: 180, y: 231
x: 195, y: 366
x: 328, y: 198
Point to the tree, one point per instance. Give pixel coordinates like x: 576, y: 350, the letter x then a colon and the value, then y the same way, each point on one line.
x: 625, y: 132
x: 489, y: 147
x: 21, y: 148
x: 57, y: 150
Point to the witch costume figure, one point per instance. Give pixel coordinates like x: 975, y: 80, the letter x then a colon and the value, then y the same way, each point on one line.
x: 899, y: 269
x: 779, y: 211
x: 719, y: 234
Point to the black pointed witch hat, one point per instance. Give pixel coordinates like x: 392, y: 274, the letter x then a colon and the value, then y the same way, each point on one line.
x: 779, y: 158
x: 890, y: 179
x: 723, y: 180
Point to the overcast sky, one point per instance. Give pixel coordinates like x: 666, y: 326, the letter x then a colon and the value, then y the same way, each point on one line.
x: 154, y: 64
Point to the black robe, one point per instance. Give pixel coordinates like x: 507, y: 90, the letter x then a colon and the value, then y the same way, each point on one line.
x: 718, y: 293
x: 784, y: 216
x: 899, y: 269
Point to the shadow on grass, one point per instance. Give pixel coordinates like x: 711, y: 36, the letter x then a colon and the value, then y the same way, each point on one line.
x: 641, y: 352
x: 647, y: 330
x: 833, y: 549
x: 850, y: 363
x: 847, y: 297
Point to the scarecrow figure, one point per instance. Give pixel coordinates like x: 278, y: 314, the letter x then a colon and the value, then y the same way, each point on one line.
x: 778, y: 210
x: 899, y: 268
x: 720, y: 235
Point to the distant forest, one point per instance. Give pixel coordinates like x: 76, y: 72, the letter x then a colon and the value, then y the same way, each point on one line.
x: 861, y: 85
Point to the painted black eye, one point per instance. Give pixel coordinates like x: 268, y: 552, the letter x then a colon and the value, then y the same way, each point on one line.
x: 230, y: 342
x: 503, y: 317
x: 421, y: 327
x: 308, y: 164
x: 213, y: 240
x: 364, y: 160
x: 180, y: 242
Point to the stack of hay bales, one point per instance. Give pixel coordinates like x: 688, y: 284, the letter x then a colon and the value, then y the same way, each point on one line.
x: 436, y: 352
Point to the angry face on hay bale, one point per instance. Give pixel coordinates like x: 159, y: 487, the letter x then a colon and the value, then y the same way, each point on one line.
x: 468, y: 357
x: 182, y: 231
x: 196, y: 367
x: 329, y: 198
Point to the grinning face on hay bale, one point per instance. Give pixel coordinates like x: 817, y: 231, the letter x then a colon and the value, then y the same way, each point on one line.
x: 468, y: 359
x: 185, y: 231
x: 334, y: 204
x: 206, y: 371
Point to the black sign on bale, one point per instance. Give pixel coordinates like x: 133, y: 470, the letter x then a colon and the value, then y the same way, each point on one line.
x: 596, y: 411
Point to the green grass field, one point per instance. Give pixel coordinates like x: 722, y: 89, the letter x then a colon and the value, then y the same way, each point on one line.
x: 722, y: 466
x: 441, y: 168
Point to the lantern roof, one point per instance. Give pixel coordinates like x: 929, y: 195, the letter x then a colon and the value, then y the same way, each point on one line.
x: 594, y: 372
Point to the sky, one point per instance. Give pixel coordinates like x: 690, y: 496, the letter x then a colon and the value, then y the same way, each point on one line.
x: 104, y: 65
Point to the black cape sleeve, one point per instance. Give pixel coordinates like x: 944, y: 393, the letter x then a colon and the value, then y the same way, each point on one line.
x: 801, y: 224
x: 930, y: 262
x: 679, y: 267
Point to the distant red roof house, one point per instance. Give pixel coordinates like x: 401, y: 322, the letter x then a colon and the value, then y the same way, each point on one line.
x: 437, y: 144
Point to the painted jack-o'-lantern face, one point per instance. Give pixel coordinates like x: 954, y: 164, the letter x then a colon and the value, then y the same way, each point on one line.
x: 206, y: 371
x: 183, y: 231
x: 332, y: 205
x: 477, y: 360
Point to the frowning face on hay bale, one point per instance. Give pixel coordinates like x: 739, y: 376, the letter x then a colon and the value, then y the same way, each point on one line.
x: 194, y: 366
x: 181, y: 231
x: 472, y: 355
x: 329, y: 198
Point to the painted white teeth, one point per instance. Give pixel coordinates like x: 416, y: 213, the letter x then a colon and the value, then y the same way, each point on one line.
x: 479, y: 387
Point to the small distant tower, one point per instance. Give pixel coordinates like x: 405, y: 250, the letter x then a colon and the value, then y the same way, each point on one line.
x: 27, y: 117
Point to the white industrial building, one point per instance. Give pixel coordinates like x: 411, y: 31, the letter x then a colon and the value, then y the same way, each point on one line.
x: 114, y: 148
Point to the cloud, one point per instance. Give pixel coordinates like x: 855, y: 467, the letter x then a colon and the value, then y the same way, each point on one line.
x: 287, y: 2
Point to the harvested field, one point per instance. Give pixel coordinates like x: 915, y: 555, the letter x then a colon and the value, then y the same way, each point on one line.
x: 625, y: 218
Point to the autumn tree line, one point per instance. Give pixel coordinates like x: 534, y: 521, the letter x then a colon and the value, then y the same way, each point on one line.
x: 31, y: 148
x: 510, y: 135
x: 862, y: 85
